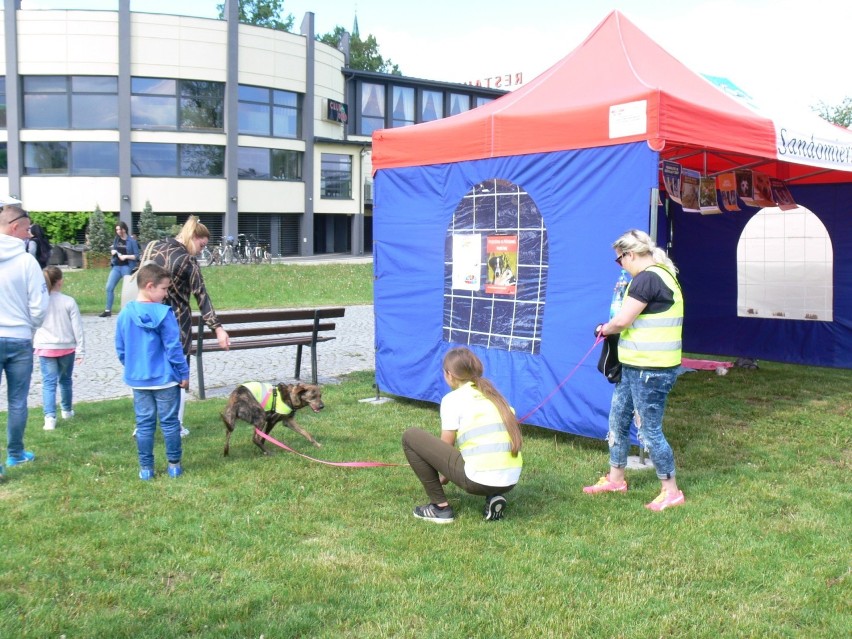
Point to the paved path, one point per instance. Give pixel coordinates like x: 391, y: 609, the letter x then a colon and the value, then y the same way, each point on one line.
x: 100, y: 374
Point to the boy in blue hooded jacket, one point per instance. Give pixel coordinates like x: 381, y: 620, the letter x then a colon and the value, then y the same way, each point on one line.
x: 147, y: 340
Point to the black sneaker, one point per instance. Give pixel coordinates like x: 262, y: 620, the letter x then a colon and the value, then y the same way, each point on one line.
x: 106, y: 314
x: 433, y: 513
x: 494, y: 507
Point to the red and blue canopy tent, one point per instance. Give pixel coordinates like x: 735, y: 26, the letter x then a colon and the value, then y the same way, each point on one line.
x: 565, y: 165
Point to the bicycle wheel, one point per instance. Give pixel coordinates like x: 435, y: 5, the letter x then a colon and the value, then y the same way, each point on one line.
x: 206, y: 256
x: 243, y: 255
x: 267, y: 256
x: 228, y: 257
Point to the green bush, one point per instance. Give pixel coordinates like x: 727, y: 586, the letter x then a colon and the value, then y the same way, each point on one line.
x: 61, y: 226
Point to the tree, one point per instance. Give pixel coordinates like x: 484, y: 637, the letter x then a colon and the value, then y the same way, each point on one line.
x: 363, y: 54
x: 148, y: 231
x: 263, y: 13
x: 99, y: 234
x: 840, y: 114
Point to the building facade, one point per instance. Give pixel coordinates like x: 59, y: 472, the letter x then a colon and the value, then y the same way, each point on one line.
x: 256, y: 131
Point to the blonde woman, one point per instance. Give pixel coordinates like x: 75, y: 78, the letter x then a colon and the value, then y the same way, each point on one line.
x: 650, y: 323
x: 478, y: 420
x: 177, y: 256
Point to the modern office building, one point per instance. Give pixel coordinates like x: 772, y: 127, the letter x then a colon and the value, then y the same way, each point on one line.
x: 257, y: 131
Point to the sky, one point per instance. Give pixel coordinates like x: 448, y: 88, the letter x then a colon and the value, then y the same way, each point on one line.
x: 792, y: 52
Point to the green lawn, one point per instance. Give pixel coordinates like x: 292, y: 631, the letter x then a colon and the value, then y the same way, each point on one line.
x: 278, y: 546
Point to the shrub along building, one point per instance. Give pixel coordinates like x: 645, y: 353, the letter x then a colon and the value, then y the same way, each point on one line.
x: 257, y: 131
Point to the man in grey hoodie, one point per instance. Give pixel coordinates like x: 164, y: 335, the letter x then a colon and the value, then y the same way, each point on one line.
x: 24, y: 293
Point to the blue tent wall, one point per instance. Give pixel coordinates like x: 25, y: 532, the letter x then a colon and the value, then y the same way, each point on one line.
x: 587, y: 198
x: 705, y: 250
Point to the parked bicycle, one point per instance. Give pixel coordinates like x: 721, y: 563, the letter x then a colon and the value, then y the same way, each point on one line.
x: 259, y: 252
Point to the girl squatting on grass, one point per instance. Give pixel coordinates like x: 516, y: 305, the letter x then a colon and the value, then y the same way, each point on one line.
x: 59, y: 346
x: 476, y: 418
x: 650, y: 322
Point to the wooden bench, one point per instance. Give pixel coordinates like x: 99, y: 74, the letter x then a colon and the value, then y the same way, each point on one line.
x: 265, y: 329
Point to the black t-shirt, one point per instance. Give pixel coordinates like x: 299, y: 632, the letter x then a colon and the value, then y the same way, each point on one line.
x: 648, y: 288
x: 119, y: 245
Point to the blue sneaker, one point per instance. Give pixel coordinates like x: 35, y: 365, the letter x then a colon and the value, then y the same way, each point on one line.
x: 26, y: 456
x: 175, y: 470
x: 146, y: 474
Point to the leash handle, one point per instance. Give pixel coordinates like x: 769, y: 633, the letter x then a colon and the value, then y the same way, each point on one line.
x: 354, y: 464
x: 598, y: 340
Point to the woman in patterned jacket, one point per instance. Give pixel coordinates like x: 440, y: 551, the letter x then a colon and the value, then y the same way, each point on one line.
x: 177, y: 255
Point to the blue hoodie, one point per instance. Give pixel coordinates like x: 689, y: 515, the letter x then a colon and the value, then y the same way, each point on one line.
x: 147, y: 340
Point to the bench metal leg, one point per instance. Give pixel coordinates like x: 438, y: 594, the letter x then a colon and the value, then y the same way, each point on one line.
x: 199, y: 366
x: 314, y: 364
x: 298, y: 361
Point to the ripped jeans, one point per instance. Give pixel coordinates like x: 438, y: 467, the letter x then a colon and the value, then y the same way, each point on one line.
x: 644, y: 390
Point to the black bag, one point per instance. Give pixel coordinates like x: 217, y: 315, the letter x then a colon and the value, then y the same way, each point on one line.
x: 609, y: 363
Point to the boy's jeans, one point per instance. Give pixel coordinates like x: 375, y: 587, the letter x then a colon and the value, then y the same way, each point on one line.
x: 149, y: 404
x: 16, y: 360
x: 55, y: 369
x: 645, y: 391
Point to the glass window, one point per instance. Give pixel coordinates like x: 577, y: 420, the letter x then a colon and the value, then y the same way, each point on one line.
x: 481, y: 101
x: 403, y: 106
x: 336, y: 176
x: 151, y: 159
x: 372, y: 108
x: 202, y: 160
x: 156, y: 104
x: 252, y: 163
x: 459, y: 103
x: 432, y: 106
x: 268, y: 112
x: 46, y: 158
x: 94, y: 158
x: 202, y: 104
x: 286, y: 165
x: 4, y: 160
x: 3, y: 109
x: 79, y: 102
x: 253, y: 119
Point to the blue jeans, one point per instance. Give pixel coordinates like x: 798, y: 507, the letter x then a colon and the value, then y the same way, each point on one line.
x: 16, y: 359
x: 115, y: 275
x: 55, y: 369
x: 149, y: 404
x: 645, y: 391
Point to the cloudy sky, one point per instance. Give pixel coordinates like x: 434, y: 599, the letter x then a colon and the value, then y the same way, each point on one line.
x: 790, y: 51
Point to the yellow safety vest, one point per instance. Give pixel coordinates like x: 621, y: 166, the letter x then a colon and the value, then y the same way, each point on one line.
x: 268, y: 397
x: 653, y: 340
x: 483, y: 439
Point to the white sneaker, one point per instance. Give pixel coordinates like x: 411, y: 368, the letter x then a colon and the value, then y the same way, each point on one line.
x: 68, y: 414
x: 49, y: 422
x: 134, y: 433
x: 183, y: 431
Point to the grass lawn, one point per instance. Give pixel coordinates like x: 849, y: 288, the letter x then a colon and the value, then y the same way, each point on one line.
x: 241, y: 286
x: 278, y: 546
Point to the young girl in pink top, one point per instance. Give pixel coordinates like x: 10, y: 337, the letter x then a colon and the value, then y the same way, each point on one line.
x: 59, y: 345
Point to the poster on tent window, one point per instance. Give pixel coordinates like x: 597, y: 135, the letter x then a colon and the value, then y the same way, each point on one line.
x: 502, y: 253
x: 467, y: 261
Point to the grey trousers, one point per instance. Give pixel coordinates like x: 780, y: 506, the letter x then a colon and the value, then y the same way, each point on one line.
x: 430, y: 457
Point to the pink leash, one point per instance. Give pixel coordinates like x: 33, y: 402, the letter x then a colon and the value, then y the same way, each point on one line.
x: 368, y: 464
x: 598, y: 340
x: 354, y: 464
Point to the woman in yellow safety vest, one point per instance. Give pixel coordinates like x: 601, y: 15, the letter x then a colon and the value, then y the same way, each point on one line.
x: 477, y: 420
x: 650, y: 323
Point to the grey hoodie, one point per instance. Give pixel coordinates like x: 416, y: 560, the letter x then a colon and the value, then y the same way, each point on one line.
x: 23, y: 290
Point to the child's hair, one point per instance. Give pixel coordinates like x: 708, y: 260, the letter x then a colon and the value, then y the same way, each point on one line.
x: 192, y: 228
x: 151, y: 274
x: 465, y: 366
x: 52, y: 275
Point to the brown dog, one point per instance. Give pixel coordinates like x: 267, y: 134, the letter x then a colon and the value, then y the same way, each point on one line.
x: 264, y: 405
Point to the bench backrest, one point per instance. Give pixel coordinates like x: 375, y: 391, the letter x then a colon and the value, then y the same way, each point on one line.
x: 269, y: 322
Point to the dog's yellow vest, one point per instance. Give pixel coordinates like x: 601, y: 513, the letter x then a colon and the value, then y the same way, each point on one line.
x: 268, y: 397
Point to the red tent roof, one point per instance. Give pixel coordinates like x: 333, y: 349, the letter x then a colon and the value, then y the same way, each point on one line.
x: 620, y: 86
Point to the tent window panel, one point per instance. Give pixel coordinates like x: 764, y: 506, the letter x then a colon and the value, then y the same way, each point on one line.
x: 403, y: 106
x: 785, y: 267
x: 511, y: 319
